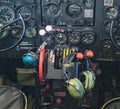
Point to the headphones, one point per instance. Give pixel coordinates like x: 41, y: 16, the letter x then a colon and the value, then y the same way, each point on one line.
x: 80, y: 84
x: 88, y: 80
x: 75, y: 88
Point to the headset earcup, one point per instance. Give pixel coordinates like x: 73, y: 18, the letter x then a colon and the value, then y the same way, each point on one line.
x: 88, y: 81
x: 75, y: 88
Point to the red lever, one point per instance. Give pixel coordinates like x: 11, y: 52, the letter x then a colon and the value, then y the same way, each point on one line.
x: 41, y: 61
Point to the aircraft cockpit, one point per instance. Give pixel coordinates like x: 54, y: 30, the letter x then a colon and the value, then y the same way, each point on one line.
x: 59, y: 54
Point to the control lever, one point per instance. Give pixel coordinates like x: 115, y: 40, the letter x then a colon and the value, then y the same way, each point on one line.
x: 40, y: 48
x: 31, y: 58
x: 65, y: 74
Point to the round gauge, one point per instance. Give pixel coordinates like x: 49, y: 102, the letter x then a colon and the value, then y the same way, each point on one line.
x: 108, y: 26
x: 25, y: 12
x: 32, y: 22
x: 111, y: 13
x: 106, y: 47
x: 16, y: 31
x: 88, y: 38
x: 6, y: 14
x: 30, y: 32
x: 52, y: 9
x: 89, y: 3
x: 60, y: 38
x: 107, y: 44
x: 74, y: 10
x: 74, y: 38
x: 4, y: 33
x: 117, y: 40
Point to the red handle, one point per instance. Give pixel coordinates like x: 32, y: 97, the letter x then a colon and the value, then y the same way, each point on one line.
x: 41, y: 61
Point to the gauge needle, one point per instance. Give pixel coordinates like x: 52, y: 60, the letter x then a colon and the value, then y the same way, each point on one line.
x: 7, y: 18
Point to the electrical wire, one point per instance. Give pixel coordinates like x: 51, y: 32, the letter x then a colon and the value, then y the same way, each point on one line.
x: 26, y: 102
x: 109, y: 101
x: 111, y: 35
x: 20, y: 39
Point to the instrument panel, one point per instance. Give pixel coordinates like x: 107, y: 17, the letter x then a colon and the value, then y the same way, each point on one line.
x: 79, y: 24
x: 69, y: 12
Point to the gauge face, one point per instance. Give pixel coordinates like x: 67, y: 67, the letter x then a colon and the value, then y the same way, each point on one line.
x: 4, y: 33
x: 6, y: 14
x: 16, y: 31
x: 108, y: 26
x: 25, y: 12
x: 60, y: 38
x: 74, y: 38
x: 117, y: 40
x: 74, y: 10
x: 88, y: 38
x: 30, y: 32
x: 111, y: 13
x: 52, y: 9
x: 107, y: 44
x: 106, y: 47
x: 89, y: 3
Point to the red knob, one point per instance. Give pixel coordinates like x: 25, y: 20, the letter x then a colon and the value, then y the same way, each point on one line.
x: 79, y: 56
x: 58, y: 101
x: 89, y: 54
x: 47, y: 86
